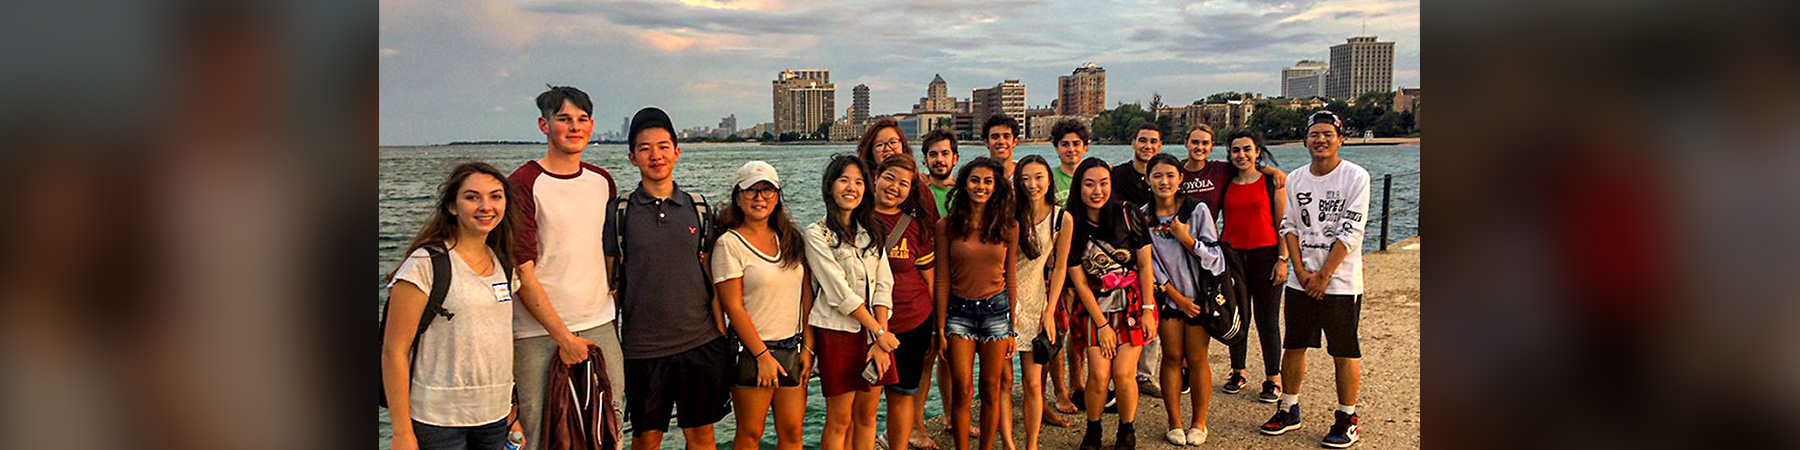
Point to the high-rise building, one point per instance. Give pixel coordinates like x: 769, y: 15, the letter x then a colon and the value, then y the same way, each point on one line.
x: 803, y: 99
x: 1006, y: 98
x: 1082, y: 93
x: 859, y: 105
x: 625, y: 129
x: 1358, y: 67
x: 1305, y: 79
x: 937, y: 97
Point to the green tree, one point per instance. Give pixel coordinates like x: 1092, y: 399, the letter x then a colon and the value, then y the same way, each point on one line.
x: 767, y: 137
x: 824, y: 131
x: 790, y: 136
x: 1278, y: 123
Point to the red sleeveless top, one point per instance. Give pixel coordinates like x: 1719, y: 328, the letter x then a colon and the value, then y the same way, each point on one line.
x: 1249, y: 218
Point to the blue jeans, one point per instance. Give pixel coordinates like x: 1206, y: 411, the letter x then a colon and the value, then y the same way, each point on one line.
x: 480, y: 437
x: 980, y: 319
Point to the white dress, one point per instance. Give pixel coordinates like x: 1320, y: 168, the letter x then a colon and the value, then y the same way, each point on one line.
x: 1029, y: 274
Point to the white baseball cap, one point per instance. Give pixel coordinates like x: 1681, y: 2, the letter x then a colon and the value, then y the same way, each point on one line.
x: 755, y: 171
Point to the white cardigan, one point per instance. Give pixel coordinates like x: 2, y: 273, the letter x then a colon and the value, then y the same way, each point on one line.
x: 847, y: 277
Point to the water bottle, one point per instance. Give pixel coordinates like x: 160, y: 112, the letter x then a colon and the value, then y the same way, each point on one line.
x: 515, y: 440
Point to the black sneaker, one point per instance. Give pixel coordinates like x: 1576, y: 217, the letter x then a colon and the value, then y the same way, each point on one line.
x: 1127, y: 439
x: 1184, y: 383
x: 1234, y: 384
x: 1079, y: 398
x: 1343, y: 433
x: 1090, y: 440
x: 1112, y: 402
x: 1270, y: 392
x: 1282, y: 421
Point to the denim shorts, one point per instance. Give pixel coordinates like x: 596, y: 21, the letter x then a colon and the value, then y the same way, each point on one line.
x: 981, y: 319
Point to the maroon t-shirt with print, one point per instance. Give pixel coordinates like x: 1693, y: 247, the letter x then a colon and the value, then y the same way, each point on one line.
x: 913, y: 254
x: 1206, y: 185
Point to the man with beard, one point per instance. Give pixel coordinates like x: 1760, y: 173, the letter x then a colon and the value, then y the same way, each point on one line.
x: 940, y: 164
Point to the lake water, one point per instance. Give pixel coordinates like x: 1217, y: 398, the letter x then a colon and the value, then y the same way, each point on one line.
x: 409, y: 176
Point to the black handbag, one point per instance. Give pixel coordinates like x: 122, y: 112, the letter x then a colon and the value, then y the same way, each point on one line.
x: 1043, y: 350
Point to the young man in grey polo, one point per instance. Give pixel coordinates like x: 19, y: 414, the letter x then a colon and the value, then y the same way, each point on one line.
x: 671, y: 329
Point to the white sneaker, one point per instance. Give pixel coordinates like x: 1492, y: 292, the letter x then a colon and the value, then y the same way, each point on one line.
x: 1196, y: 436
x: 1175, y: 437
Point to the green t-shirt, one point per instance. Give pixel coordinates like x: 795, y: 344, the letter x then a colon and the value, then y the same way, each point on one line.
x: 941, y: 194
x: 1060, y: 182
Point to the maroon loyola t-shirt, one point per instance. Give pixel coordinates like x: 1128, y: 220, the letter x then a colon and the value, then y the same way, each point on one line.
x: 1206, y: 185
x: 913, y: 254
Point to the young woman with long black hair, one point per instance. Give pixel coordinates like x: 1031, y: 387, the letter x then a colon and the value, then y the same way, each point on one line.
x: 978, y: 241
x: 758, y: 268
x: 1111, y: 251
x: 911, y: 256
x: 1044, y: 235
x: 850, y: 331
x: 1252, y: 204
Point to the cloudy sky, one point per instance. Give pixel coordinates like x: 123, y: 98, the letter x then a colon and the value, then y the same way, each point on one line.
x: 467, y: 69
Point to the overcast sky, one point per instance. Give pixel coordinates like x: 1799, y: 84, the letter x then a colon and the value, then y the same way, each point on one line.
x: 455, y: 70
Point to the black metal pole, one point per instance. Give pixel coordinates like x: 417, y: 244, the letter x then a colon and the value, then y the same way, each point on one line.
x: 1387, y: 188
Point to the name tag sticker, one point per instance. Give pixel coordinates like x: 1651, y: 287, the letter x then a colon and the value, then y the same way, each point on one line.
x: 502, y: 292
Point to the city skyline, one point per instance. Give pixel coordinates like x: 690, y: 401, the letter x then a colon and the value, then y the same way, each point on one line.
x: 467, y: 69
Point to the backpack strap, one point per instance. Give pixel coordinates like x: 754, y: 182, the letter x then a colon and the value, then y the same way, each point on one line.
x: 618, y: 218
x: 440, y: 286
x: 1269, y: 187
x: 704, y: 218
x: 894, y: 235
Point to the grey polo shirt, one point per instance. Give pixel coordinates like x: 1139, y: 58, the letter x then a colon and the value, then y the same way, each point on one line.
x: 664, y: 308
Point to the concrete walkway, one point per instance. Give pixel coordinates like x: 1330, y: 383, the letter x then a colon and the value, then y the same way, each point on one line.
x: 1390, y: 392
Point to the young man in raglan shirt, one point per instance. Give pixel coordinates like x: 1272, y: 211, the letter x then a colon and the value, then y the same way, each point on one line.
x: 940, y: 165
x: 1071, y: 140
x: 1204, y: 180
x: 559, y: 258
x: 1000, y: 134
x: 1328, y: 203
x: 672, y: 331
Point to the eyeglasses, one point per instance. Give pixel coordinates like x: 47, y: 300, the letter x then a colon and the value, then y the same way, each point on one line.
x: 888, y: 144
x: 761, y: 193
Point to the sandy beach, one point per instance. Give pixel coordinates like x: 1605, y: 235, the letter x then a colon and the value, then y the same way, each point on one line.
x: 1390, y: 390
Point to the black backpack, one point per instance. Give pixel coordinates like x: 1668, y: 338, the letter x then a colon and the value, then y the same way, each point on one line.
x: 1224, y: 298
x: 434, y: 307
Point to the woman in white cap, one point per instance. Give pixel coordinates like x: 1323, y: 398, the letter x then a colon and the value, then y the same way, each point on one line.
x: 758, y: 266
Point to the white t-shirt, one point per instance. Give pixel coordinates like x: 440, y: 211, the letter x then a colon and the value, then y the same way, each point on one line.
x: 563, y: 216
x: 1323, y: 210
x: 771, y: 292
x: 463, y: 373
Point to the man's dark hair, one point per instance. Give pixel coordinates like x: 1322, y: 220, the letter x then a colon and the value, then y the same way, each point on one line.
x: 939, y: 135
x: 1066, y: 126
x: 1149, y: 126
x: 549, y: 102
x: 998, y: 120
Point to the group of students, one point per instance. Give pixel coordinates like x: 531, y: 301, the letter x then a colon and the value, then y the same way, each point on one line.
x: 694, y: 311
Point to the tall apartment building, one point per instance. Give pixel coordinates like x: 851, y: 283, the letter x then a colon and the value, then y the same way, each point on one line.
x: 1006, y: 98
x: 1082, y: 93
x: 859, y: 105
x: 803, y: 99
x: 1305, y: 79
x: 1359, y: 66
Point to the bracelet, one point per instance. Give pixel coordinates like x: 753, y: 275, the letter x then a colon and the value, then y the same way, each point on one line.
x: 764, y: 352
x: 1104, y: 326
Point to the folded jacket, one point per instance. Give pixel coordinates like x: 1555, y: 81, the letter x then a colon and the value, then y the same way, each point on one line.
x: 578, y: 413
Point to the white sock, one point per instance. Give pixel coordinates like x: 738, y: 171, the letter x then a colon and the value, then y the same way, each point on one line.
x: 1288, y: 400
x: 1347, y: 409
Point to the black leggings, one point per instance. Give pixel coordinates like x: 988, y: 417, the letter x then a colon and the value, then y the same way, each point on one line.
x: 1265, y: 309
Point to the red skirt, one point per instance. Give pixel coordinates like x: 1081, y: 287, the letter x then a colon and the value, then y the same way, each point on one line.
x: 842, y: 356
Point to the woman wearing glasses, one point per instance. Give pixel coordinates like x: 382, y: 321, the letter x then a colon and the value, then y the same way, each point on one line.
x: 884, y: 139
x: 850, y: 330
x: 759, y: 271
x: 1112, y: 252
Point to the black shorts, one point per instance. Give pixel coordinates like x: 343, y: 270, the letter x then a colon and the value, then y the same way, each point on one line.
x: 698, y: 380
x: 1336, y: 315
x: 909, y: 359
x: 1168, y: 312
